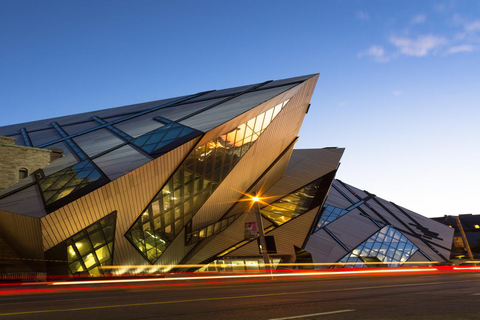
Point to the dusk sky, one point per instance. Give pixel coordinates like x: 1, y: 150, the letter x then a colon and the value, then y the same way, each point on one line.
x: 399, y: 83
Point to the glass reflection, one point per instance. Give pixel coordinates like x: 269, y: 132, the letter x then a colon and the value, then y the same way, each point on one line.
x: 388, y: 247
x: 68, y: 180
x: 156, y: 141
x: 191, y: 185
x: 295, y: 204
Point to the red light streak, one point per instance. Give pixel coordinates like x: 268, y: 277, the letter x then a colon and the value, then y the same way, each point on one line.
x: 264, y: 275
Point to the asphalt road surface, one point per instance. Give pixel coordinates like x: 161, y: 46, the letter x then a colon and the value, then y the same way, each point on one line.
x: 432, y: 296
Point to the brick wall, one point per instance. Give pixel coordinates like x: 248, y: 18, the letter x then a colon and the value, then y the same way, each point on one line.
x: 13, y: 158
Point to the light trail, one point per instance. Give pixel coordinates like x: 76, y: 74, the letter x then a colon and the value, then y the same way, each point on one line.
x: 466, y: 268
x: 188, y: 266
x: 274, y: 275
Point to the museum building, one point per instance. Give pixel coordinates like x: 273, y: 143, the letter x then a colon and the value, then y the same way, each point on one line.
x: 151, y: 186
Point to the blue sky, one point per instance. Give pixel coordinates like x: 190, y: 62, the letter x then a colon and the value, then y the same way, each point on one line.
x: 399, y: 84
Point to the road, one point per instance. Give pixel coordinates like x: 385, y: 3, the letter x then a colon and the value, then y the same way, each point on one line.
x: 430, y: 296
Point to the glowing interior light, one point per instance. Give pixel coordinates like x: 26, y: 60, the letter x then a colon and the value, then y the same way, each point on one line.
x: 256, y: 199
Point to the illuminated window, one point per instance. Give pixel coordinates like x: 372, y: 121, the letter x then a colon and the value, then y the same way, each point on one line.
x: 191, y: 185
x: 60, y: 184
x: 92, y: 248
x: 297, y: 202
x: 197, y: 235
x: 477, y: 226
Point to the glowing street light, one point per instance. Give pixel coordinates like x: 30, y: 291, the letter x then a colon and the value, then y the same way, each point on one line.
x: 261, y: 232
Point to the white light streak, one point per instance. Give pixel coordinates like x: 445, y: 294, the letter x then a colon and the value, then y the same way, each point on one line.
x: 246, y: 276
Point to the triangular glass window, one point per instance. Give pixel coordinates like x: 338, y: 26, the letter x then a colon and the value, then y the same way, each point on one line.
x: 388, y: 247
x: 162, y: 140
x: 190, y: 186
x: 62, y: 183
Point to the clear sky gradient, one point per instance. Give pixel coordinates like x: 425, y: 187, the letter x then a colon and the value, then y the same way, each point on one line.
x: 399, y: 85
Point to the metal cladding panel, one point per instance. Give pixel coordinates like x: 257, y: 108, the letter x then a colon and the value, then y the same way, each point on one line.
x: 275, y: 173
x: 175, y: 252
x: 417, y: 256
x: 289, y: 80
x: 178, y: 112
x: 445, y: 233
x: 232, y: 235
x: 86, y: 116
x: 68, y: 159
x: 97, y: 141
x: 335, y: 199
x: 139, y: 125
x: 324, y: 249
x: 217, y: 243
x: 222, y: 113
x: 422, y: 246
x: 288, y: 235
x: 40, y: 137
x: 406, y: 229
x: 271, y: 143
x: 405, y: 220
x: 24, y: 235
x: 18, y: 185
x: 395, y: 219
x: 224, y: 92
x: 27, y: 202
x: 76, y: 128
x: 231, y: 123
x: 378, y: 215
x: 120, y: 161
x: 352, y: 229
x: 128, y: 195
x: 352, y: 192
x: 305, y: 166
x: 269, y: 179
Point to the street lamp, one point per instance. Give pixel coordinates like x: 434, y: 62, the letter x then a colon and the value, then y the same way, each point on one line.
x: 261, y: 233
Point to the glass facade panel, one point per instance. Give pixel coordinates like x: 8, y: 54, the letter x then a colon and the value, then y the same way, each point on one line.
x: 66, y: 181
x: 329, y: 214
x: 295, y: 204
x: 86, y: 251
x: 210, y: 230
x: 388, y: 247
x: 188, y: 188
x: 165, y: 138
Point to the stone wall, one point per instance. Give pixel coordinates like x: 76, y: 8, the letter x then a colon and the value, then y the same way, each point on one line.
x: 13, y: 158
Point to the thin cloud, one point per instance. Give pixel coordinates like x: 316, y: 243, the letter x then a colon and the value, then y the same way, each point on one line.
x: 397, y: 93
x: 473, y: 26
x: 362, y: 15
x: 444, y: 6
x: 461, y: 48
x: 376, y: 52
x: 418, y: 47
x: 419, y: 19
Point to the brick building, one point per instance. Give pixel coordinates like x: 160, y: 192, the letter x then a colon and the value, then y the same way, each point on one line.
x: 18, y: 162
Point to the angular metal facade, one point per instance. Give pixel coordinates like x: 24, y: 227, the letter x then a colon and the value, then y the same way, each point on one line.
x: 163, y: 183
x: 385, y: 233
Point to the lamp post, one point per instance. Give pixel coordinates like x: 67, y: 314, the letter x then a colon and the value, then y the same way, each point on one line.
x: 261, y: 234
